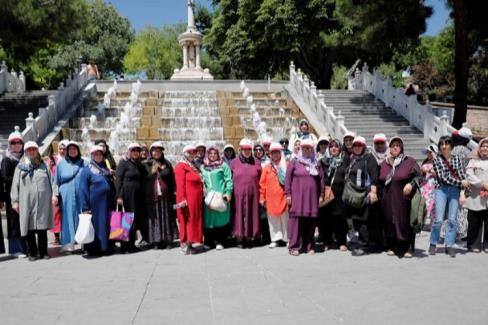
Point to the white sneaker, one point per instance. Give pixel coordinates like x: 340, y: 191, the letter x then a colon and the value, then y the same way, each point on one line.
x: 273, y: 245
x: 19, y: 255
x: 219, y: 247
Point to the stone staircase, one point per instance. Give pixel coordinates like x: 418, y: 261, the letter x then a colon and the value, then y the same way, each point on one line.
x: 367, y: 116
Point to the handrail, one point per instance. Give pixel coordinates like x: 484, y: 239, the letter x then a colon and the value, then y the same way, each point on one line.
x: 418, y: 115
x: 10, y: 81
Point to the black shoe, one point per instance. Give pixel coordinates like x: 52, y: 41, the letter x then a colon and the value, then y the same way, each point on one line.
x: 451, y: 251
x: 358, y: 252
x: 432, y: 250
x: 32, y: 258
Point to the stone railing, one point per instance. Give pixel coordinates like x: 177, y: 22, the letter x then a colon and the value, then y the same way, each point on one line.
x: 420, y: 116
x: 333, y: 122
x: 10, y: 81
x: 37, y: 128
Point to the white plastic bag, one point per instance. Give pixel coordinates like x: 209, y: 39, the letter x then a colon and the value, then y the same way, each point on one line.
x: 85, y: 233
x: 215, y: 201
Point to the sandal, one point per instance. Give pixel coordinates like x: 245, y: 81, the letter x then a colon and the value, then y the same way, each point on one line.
x: 343, y: 248
x: 294, y: 252
x: 390, y: 253
x: 408, y: 255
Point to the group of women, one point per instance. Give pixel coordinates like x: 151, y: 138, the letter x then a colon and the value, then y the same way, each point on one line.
x: 338, y: 192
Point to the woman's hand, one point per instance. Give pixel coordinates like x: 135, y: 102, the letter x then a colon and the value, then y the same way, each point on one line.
x: 120, y: 201
x: 407, y: 189
x: 15, y: 207
x: 183, y: 204
x: 464, y: 183
x: 288, y: 200
x: 227, y: 197
x: 55, y: 201
x: 373, y: 197
x: 263, y: 203
x: 485, y: 186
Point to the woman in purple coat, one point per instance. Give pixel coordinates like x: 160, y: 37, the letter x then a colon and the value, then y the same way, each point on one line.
x: 397, y: 175
x: 304, y: 189
x: 246, y: 173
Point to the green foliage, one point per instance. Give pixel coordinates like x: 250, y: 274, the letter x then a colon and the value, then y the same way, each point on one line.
x: 339, y: 78
x: 155, y: 51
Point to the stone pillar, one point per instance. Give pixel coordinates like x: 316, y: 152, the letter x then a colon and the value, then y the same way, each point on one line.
x: 185, y: 56
x: 197, y: 52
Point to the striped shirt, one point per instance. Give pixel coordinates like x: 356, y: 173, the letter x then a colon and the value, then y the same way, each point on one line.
x: 450, y: 176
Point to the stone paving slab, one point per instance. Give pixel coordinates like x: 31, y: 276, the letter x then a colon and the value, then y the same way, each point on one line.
x: 234, y: 286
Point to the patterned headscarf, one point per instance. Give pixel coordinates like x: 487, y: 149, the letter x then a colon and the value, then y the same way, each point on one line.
x: 211, y: 165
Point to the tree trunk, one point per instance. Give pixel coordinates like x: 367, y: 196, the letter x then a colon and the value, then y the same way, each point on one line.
x: 460, y: 65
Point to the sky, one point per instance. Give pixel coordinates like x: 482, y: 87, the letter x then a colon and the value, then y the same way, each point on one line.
x: 160, y: 12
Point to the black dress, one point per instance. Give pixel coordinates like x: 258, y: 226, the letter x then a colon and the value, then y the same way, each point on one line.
x: 2, y: 199
x: 160, y: 197
x: 130, y: 177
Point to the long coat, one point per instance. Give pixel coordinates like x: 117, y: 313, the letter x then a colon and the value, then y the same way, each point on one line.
x: 396, y: 207
x: 161, y: 217
x: 129, y: 185
x: 33, y: 192
x: 246, y: 192
x: 97, y: 195
x: 68, y: 175
x: 218, y: 180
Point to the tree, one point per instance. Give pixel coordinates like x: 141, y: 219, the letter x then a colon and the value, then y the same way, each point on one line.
x: 254, y: 38
x: 155, y: 51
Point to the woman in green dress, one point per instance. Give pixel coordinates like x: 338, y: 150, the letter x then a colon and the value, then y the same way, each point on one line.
x: 217, y: 177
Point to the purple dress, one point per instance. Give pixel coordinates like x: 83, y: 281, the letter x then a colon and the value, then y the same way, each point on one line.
x: 246, y: 197
x: 304, y: 190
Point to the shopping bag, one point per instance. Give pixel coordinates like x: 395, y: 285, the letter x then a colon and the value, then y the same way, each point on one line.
x: 85, y: 233
x: 120, y: 224
x: 215, y: 201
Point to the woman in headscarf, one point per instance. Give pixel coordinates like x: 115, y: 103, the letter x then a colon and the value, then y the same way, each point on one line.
x: 109, y: 159
x: 17, y: 244
x: 322, y: 146
x: 429, y: 182
x: 97, y: 197
x: 189, y: 198
x: 380, y: 148
x: 399, y: 175
x: 451, y: 178
x: 160, y: 198
x: 362, y: 172
x: 246, y: 172
x: 32, y: 198
x: 229, y: 153
x: 477, y: 201
x: 272, y: 196
x: 304, y: 189
x: 129, y: 187
x: 68, y: 174
x: 260, y: 155
x: 52, y: 161
x: 332, y: 219
x: 217, y: 177
x: 347, y: 143
x: 201, y: 149
x: 296, y: 149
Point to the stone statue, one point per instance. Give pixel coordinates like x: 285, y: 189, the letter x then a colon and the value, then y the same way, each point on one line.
x: 191, y: 16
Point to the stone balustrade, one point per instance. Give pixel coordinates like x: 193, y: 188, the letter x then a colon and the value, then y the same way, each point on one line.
x: 327, y: 119
x: 418, y: 115
x: 10, y: 81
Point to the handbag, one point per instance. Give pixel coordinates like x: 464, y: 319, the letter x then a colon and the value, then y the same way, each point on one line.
x: 329, y: 194
x: 85, y: 233
x: 354, y: 196
x: 120, y: 224
x: 215, y: 200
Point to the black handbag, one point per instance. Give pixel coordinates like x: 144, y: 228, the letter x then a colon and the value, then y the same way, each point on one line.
x: 354, y: 196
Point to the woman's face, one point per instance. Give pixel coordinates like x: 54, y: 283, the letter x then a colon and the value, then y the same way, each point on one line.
x: 135, y: 153
x: 445, y: 148
x: 31, y: 153
x: 348, y: 142
x: 104, y: 147
x: 334, y: 149
x: 201, y: 152
x: 16, y: 145
x: 395, y: 149
x: 97, y: 156
x: 62, y: 151
x: 323, y: 147
x: 246, y: 153
x: 380, y: 146
x: 296, y: 146
x: 430, y: 155
x: 229, y: 153
x: 191, y: 154
x: 307, y: 151
x: 484, y: 150
x: 258, y: 152
x: 357, y: 149
x: 213, y: 155
x: 157, y: 153
x: 276, y: 155
x: 73, y: 151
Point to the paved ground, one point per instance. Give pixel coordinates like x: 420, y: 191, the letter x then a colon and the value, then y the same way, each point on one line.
x: 256, y: 286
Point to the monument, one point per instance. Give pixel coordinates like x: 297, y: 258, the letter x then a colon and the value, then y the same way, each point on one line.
x: 190, y: 42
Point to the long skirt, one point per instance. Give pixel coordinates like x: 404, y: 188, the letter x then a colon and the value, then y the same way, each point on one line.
x: 301, y: 231
x: 161, y: 225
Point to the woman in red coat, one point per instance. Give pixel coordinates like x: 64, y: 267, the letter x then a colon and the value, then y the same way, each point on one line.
x: 189, y: 198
